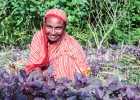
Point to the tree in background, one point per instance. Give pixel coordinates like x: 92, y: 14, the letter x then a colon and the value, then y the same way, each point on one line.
x: 94, y: 23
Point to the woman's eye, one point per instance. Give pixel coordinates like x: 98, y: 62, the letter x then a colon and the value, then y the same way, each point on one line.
x: 49, y: 27
x: 58, y: 28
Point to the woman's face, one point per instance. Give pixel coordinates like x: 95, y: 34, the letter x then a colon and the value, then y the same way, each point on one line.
x: 55, y: 28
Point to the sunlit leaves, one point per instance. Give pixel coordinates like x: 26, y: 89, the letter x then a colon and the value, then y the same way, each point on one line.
x: 26, y: 16
x: 112, y: 80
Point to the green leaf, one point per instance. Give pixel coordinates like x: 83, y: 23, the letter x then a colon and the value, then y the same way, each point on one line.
x: 32, y: 9
x: 19, y: 21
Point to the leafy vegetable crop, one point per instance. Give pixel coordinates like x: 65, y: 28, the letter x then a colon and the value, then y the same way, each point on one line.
x: 114, y: 76
x: 34, y: 86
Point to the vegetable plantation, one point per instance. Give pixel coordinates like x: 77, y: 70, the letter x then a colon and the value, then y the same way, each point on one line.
x: 108, y: 30
x: 114, y: 75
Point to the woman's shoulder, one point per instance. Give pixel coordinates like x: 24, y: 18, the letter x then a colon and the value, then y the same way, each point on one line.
x: 37, y: 32
x: 71, y: 43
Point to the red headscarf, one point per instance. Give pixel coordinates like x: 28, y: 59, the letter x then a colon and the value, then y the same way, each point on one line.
x: 55, y: 12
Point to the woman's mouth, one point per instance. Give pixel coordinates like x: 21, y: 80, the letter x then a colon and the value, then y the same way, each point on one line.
x: 53, y: 36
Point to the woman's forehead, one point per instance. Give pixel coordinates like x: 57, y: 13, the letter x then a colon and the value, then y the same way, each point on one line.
x: 54, y: 20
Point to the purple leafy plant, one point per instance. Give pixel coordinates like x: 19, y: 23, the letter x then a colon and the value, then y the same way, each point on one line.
x: 34, y: 86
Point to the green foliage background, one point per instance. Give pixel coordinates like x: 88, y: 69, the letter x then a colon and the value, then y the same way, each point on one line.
x: 88, y: 21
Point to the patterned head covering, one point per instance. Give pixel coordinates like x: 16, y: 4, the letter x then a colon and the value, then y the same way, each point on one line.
x: 58, y: 13
x: 54, y: 12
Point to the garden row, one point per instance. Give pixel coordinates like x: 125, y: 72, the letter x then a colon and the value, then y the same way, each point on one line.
x: 114, y: 75
x: 35, y: 87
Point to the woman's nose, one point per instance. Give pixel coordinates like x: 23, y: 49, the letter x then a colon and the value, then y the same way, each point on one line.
x: 53, y: 31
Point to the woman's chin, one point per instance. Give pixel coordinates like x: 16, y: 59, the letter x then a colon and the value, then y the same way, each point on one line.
x: 52, y: 41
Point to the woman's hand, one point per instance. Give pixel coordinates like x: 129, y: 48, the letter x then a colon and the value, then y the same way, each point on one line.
x: 44, y: 72
x: 38, y: 70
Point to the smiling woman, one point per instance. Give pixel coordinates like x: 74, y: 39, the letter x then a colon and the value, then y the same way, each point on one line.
x: 55, y: 29
x: 52, y: 46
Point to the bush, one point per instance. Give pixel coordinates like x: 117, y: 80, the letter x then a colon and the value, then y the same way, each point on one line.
x: 93, y: 23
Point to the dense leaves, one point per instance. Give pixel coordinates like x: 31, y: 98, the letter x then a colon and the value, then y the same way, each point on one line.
x: 34, y: 86
x: 114, y: 75
x: 92, y: 22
